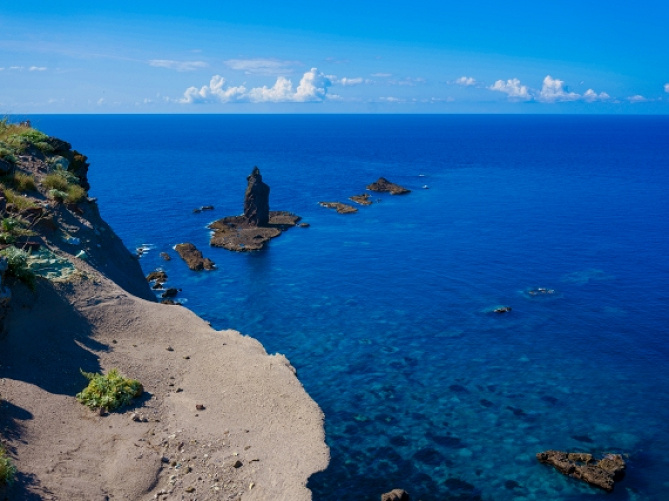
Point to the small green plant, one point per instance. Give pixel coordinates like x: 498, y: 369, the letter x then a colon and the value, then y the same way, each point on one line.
x: 7, y: 468
x: 75, y: 193
x: 7, y: 154
x: 17, y: 261
x: 55, y: 181
x: 20, y: 202
x: 19, y: 181
x: 109, y: 391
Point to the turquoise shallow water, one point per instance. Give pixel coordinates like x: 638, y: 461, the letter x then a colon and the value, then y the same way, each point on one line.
x: 386, y: 313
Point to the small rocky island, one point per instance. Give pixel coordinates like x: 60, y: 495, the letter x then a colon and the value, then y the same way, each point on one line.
x: 339, y: 207
x: 252, y: 230
x: 382, y: 184
x: 603, y: 473
x: 364, y: 199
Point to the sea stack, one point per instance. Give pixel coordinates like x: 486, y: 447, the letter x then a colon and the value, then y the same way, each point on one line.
x: 256, y: 200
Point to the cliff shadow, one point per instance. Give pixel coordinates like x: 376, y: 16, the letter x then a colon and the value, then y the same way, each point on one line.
x: 47, y: 341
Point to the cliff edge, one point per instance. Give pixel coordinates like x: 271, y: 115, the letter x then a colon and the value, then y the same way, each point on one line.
x: 219, y: 418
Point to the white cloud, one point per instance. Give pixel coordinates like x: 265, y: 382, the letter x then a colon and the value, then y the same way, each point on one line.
x: 348, y: 82
x: 382, y: 75
x: 637, y: 99
x: 351, y: 81
x: 666, y: 87
x: 391, y: 99
x: 466, y: 81
x: 16, y: 68
x: 408, y: 81
x: 513, y: 89
x: 553, y: 90
x: 261, y: 66
x: 37, y: 68
x: 312, y: 88
x: 178, y: 65
x: 214, y: 92
x: 590, y: 96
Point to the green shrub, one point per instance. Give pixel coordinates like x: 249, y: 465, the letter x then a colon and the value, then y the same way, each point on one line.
x: 19, y: 181
x: 55, y: 181
x: 75, y: 193
x: 7, y: 468
x: 18, y: 267
x: 19, y: 201
x: 7, y: 154
x: 109, y: 391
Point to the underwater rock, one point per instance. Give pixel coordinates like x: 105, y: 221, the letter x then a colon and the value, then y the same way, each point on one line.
x: 165, y: 256
x: 193, y: 257
x: 396, y: 495
x: 382, y: 184
x: 339, y: 207
x: 256, y: 200
x: 603, y: 473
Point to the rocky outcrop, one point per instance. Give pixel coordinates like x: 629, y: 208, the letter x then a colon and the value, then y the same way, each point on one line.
x: 364, y: 199
x: 339, y: 207
x: 235, y: 234
x: 603, y: 473
x: 158, y: 276
x: 396, y: 495
x: 256, y: 200
x: 257, y: 226
x: 193, y: 257
x: 382, y: 184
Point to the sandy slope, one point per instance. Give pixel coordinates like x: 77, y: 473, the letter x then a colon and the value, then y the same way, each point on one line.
x: 259, y: 437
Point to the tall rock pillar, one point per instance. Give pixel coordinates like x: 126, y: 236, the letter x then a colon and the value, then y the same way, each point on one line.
x: 256, y: 200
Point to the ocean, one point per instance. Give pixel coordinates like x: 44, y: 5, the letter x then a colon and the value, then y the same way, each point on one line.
x: 387, y: 314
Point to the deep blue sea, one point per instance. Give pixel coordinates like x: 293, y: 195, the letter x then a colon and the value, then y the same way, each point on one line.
x: 386, y: 313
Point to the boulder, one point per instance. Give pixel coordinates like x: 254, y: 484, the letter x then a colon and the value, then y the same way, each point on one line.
x: 171, y: 292
x: 158, y: 276
x: 256, y: 200
x: 193, y: 257
x: 396, y: 495
x: 603, y: 473
x: 382, y: 184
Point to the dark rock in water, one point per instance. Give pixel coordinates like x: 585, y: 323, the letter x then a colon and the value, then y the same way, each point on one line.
x: 339, y: 207
x: 583, y: 438
x: 516, y: 411
x: 486, y: 403
x: 207, y: 207
x: 193, y: 257
x: 257, y: 226
x: 364, y: 199
x: 165, y: 256
x: 304, y: 225
x: 157, y: 276
x: 603, y: 473
x: 445, y: 440
x: 429, y: 455
x: 235, y: 234
x: 457, y: 484
x: 382, y: 184
x: 256, y: 200
x: 511, y: 484
x: 396, y: 495
x: 502, y: 309
x: 171, y: 292
x: 399, y: 441
x: 549, y: 399
x: 458, y: 388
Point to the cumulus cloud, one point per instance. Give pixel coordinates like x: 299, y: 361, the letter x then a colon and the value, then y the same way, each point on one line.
x: 637, y: 99
x: 466, y: 81
x: 312, y: 88
x: 552, y: 90
x: 513, y: 89
x: 178, y: 65
x: 214, y: 92
x: 666, y: 87
x: 261, y: 66
x: 37, y: 68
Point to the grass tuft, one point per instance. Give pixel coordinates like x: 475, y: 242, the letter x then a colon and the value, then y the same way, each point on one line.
x: 109, y: 391
x: 18, y: 267
x: 7, y: 468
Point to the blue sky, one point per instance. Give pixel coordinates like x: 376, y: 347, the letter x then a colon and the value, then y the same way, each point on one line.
x: 334, y: 57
